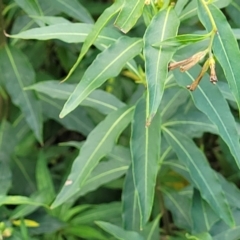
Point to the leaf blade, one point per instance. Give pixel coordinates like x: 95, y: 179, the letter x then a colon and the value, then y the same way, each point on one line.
x: 225, y: 48
x: 99, y: 143
x: 108, y: 64
x: 145, y: 149
x: 156, y: 61
x: 17, y: 73
x: 203, y: 177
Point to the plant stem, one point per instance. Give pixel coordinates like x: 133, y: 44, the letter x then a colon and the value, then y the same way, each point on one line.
x: 205, y: 4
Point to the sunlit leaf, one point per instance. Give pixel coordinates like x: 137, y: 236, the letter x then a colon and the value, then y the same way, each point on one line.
x: 108, y: 64
x: 130, y: 13
x: 157, y: 60
x: 145, y: 149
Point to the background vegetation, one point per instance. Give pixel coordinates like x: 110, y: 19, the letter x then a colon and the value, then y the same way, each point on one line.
x: 120, y: 149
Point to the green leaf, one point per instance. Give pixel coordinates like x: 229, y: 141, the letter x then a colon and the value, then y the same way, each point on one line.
x: 151, y: 231
x: 100, y: 212
x: 99, y: 143
x: 51, y: 20
x: 203, y: 217
x: 17, y: 200
x: 102, y: 21
x: 100, y: 100
x: 107, y: 171
x: 191, y: 122
x: 233, y: 11
x: 157, y: 60
x: 179, y: 206
x: 145, y: 149
x: 67, y: 32
x: 17, y: 73
x: 5, y: 177
x: 225, y: 48
x: 191, y: 9
x: 31, y: 8
x: 74, y: 9
x: 180, y: 4
x: 130, y: 13
x: 210, y: 101
x: 7, y: 141
x: 108, y: 64
x: 118, y: 232
x: 221, y: 231
x: 23, y: 210
x: 43, y: 177
x: 200, y: 236
x: 181, y: 40
x: 84, y: 232
x: 131, y: 211
x: 77, y: 121
x: 203, y: 177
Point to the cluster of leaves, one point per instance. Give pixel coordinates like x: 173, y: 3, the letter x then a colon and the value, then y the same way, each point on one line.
x: 122, y: 150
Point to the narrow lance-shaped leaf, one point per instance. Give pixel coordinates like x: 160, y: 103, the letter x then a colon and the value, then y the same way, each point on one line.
x: 74, y: 9
x: 131, y: 211
x: 108, y: 64
x: 75, y: 33
x: 118, y: 232
x: 107, y: 171
x: 102, y: 101
x: 209, y: 100
x: 31, y: 8
x: 191, y: 9
x: 130, y: 13
x: 164, y: 25
x: 179, y: 206
x: 225, y: 47
x: 203, y: 217
x: 145, y: 148
x: 78, y: 121
x: 102, y: 21
x: 99, y: 143
x: 203, y: 177
x: 17, y: 73
x: 181, y: 40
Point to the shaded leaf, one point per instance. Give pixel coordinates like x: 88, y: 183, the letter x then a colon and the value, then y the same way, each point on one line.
x: 203, y: 177
x: 179, y: 207
x: 5, y: 178
x: 102, y: 101
x: 99, y: 143
x: 77, y: 121
x: 103, y: 212
x: 17, y: 73
x: 74, y: 9
x: 203, y: 217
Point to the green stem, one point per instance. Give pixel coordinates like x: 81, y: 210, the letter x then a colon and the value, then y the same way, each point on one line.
x: 214, y: 26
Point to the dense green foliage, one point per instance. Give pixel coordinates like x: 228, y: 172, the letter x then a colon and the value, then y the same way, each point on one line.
x: 119, y: 119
